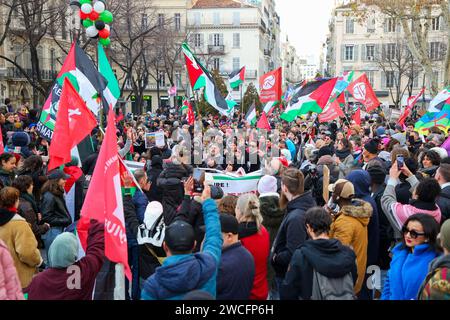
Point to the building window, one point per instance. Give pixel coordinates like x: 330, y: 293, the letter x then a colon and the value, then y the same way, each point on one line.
x: 436, y: 76
x: 349, y: 50
x: 370, y: 52
x: 52, y: 60
x: 391, y: 25
x: 178, y: 83
x: 370, y: 77
x: 144, y: 21
x: 236, y: 40
x: 416, y: 80
x: 236, y: 18
x: 436, y: 24
x: 236, y: 63
x: 350, y: 26
x: 371, y: 25
x: 391, y: 50
x: 197, y: 40
x: 435, y: 48
x: 177, y: 22
x: 216, y: 18
x: 161, y: 20
x: 390, y: 79
x: 162, y: 79
x: 216, y: 63
x: 63, y: 26
x: 216, y: 39
x: 197, y: 19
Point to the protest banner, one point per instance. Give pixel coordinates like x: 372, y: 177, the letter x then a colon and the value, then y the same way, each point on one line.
x: 234, y: 184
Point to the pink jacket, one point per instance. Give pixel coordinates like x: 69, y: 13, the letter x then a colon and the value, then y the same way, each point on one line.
x: 10, y: 288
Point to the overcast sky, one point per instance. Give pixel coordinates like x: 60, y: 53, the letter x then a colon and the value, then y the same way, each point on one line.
x: 306, y: 23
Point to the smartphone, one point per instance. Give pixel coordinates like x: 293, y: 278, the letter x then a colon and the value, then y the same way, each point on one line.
x: 198, y: 183
x: 400, y: 162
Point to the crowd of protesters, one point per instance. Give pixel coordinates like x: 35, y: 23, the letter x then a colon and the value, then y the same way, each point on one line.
x: 342, y: 211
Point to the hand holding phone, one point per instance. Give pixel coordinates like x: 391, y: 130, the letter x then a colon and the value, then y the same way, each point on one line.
x: 400, y: 162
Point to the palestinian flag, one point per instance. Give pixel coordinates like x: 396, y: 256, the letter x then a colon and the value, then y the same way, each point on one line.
x: 311, y: 97
x: 268, y: 108
x: 250, y: 117
x: 85, y: 78
x: 200, y: 77
x: 441, y: 101
x: 128, y: 183
x: 185, y: 106
x: 433, y: 119
x: 341, y: 84
x: 236, y: 78
x: 112, y: 92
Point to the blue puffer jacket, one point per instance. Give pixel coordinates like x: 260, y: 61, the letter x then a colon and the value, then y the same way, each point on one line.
x: 140, y: 202
x: 361, y: 182
x: 407, y: 272
x: 181, y: 274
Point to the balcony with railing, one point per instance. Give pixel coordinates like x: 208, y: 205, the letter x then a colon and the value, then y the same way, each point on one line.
x: 212, y: 49
x: 15, y: 74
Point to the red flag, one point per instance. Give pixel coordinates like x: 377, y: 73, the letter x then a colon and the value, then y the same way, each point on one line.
x: 357, y: 117
x: 263, y: 123
x: 190, y: 114
x: 363, y: 92
x: 103, y: 201
x: 410, y: 104
x: 333, y: 110
x: 2, y: 146
x: 74, y: 123
x: 270, y: 86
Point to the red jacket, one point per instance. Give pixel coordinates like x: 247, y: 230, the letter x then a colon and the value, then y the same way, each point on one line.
x: 258, y: 243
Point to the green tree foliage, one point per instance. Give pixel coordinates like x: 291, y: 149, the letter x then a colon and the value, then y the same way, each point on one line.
x: 251, y: 95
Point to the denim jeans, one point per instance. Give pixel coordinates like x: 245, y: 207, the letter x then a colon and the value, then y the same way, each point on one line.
x: 274, y: 293
x: 133, y: 260
x: 50, y: 236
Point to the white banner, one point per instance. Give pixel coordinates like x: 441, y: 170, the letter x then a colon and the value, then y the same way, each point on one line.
x: 233, y: 184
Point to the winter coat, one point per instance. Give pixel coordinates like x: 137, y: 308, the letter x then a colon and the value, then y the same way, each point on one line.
x: 10, y: 287
x: 21, y: 243
x: 232, y: 285
x: 269, y: 206
x: 258, y: 244
x: 140, y: 203
x: 361, y: 182
x: 155, y: 193
x: 345, y: 165
x: 6, y: 178
x: 326, y: 256
x: 54, y: 210
x: 408, y: 270
x: 443, y: 202
x: 183, y: 273
x: 291, y: 234
x: 52, y: 283
x: 172, y: 188
x: 398, y: 213
x: 27, y: 209
x: 191, y: 212
x: 436, y: 285
x: 350, y: 227
x: 39, y: 179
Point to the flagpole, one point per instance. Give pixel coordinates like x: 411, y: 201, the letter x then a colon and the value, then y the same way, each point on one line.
x: 242, y: 101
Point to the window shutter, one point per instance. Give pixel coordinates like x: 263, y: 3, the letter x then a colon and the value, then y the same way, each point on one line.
x: 355, y: 52
x: 442, y: 50
x: 383, y: 79
x: 363, y: 52
x: 202, y: 40
x: 377, y: 52
x: 221, y: 39
x: 211, y: 40
x: 386, y: 25
x: 343, y: 52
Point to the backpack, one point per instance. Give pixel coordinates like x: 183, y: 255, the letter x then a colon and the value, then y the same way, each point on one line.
x: 325, y: 288
x: 152, y: 231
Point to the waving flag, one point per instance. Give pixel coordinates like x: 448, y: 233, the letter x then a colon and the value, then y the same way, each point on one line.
x: 341, y: 84
x: 103, y: 200
x: 334, y: 110
x: 202, y: 78
x: 236, y: 78
x: 112, y: 91
x: 363, y: 92
x: 357, y: 116
x: 410, y: 105
x: 75, y: 122
x: 270, y: 86
x: 251, y: 115
x: 263, y: 123
x: 441, y: 101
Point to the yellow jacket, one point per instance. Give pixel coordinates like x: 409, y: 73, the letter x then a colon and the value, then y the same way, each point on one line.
x: 350, y: 227
x: 22, y: 245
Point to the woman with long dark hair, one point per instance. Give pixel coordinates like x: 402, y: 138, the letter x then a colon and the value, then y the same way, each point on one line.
x: 7, y: 167
x: 33, y: 167
x: 409, y: 265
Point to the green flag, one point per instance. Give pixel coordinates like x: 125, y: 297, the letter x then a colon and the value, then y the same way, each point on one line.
x: 112, y: 91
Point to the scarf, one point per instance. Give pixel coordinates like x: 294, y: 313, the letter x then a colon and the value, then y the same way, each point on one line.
x: 31, y: 200
x: 247, y: 229
x: 343, y: 154
x: 6, y: 215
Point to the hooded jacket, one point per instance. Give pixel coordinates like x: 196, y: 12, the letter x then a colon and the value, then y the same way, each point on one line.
x: 21, y: 243
x: 10, y: 288
x: 436, y: 285
x: 361, y: 181
x: 183, y: 273
x: 327, y: 256
x: 443, y: 202
x: 350, y: 227
x: 291, y: 234
x: 155, y: 193
x: 408, y: 270
x: 170, y: 184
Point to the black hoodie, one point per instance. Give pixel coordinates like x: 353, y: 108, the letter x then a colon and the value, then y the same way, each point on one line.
x: 327, y: 256
x: 292, y: 233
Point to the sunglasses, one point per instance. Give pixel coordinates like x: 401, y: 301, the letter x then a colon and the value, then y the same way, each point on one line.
x: 413, y: 233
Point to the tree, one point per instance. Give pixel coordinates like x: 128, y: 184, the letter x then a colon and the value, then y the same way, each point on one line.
x: 415, y: 17
x: 251, y: 96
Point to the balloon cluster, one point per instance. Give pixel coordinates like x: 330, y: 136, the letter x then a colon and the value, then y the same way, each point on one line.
x: 96, y: 19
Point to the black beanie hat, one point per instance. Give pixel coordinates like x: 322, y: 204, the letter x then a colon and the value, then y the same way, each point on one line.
x: 180, y: 236
x: 377, y: 174
x: 372, y: 146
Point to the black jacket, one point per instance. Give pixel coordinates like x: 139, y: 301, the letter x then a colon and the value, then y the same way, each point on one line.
x: 443, y: 201
x: 292, y: 233
x: 191, y: 212
x: 327, y: 256
x: 172, y: 188
x: 54, y: 210
x: 155, y: 193
x: 88, y: 164
x: 232, y: 285
x: 6, y: 178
